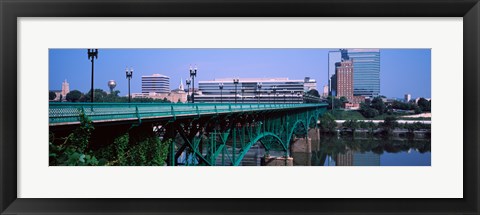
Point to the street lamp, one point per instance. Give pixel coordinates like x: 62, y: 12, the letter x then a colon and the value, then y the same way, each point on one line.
x: 193, y: 74
x: 235, y: 81
x: 243, y: 90
x: 92, y: 54
x: 274, y: 93
x: 188, y: 81
x: 129, y: 74
x: 292, y: 95
x: 221, y: 92
x: 259, y: 86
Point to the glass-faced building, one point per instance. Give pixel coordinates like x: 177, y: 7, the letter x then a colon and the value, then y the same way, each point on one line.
x: 155, y: 83
x: 366, y: 73
x: 251, y: 90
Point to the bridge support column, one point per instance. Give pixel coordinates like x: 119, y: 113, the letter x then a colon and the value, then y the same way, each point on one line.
x: 276, y: 161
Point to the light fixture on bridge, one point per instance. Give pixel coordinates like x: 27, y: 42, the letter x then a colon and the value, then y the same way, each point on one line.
x: 188, y: 82
x: 259, y: 86
x: 92, y: 54
x: 193, y: 74
x: 235, y: 81
x: 220, y: 85
x: 129, y: 74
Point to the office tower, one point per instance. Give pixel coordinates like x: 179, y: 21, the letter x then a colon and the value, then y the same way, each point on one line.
x: 366, y: 77
x: 344, y: 79
x: 155, y: 83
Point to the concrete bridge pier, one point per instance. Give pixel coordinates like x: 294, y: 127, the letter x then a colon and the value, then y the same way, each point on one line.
x: 301, y: 149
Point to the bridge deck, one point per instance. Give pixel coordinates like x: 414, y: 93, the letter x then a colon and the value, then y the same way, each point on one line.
x: 68, y: 113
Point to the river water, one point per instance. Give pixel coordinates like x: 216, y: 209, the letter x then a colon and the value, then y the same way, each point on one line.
x: 347, y: 151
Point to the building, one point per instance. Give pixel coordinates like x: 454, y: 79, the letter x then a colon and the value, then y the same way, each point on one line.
x: 325, y: 91
x: 155, y: 83
x: 309, y: 84
x: 251, y: 90
x: 344, y: 79
x: 65, y: 89
x: 177, y: 95
x: 408, y: 97
x: 366, y: 78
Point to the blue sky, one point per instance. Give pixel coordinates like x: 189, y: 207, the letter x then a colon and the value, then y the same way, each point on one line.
x: 402, y: 70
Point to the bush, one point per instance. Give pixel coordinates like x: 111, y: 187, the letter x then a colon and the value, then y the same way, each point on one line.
x: 327, y: 123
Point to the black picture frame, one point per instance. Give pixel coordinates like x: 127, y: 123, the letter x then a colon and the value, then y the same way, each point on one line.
x: 10, y: 10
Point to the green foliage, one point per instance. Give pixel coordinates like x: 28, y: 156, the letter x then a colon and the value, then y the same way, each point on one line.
x: 353, y: 125
x: 424, y: 105
x: 73, y: 151
x: 367, y: 111
x: 51, y: 95
x: 378, y: 104
x: 327, y: 123
x: 338, y: 103
x: 125, y: 151
x: 388, y: 125
x: 74, y: 96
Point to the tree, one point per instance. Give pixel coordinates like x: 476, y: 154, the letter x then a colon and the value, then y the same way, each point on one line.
x: 388, y: 125
x: 424, y: 105
x: 74, y: 96
x: 51, y: 95
x: 377, y: 103
x: 367, y: 111
x: 327, y: 123
x: 312, y: 96
x: 353, y: 125
x: 99, y: 95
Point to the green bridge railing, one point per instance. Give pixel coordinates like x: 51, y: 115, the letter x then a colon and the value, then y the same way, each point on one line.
x: 68, y: 113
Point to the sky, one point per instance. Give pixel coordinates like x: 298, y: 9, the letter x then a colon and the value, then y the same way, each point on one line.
x: 401, y: 70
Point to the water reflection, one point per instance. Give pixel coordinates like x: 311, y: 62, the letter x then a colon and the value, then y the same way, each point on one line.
x: 334, y: 151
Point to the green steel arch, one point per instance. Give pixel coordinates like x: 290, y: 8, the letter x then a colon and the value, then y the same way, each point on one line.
x: 259, y: 137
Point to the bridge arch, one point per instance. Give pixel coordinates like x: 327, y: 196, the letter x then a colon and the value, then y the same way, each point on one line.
x: 258, y: 138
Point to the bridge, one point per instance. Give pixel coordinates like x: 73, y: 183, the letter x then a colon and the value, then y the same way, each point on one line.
x: 201, y: 134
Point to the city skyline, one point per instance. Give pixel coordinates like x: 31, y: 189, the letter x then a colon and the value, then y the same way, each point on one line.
x: 402, y: 70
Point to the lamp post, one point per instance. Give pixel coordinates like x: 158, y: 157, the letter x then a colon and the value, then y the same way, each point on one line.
x: 129, y: 74
x: 193, y: 74
x: 292, y: 95
x: 243, y: 90
x: 274, y: 93
x: 188, y: 81
x: 235, y: 81
x: 259, y: 86
x: 221, y: 92
x: 92, y: 54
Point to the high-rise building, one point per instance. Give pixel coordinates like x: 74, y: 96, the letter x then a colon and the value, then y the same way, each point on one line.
x: 65, y: 89
x: 408, y: 97
x: 155, y: 83
x: 251, y: 90
x: 333, y: 58
x: 344, y: 78
x: 325, y: 91
x: 366, y: 77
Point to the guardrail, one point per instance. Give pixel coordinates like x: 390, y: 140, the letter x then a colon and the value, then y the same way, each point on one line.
x: 60, y: 113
